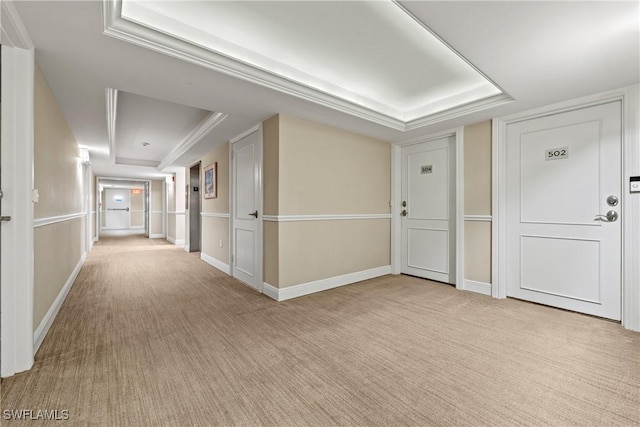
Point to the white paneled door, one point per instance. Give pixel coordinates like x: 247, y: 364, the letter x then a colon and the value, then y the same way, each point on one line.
x: 428, y: 210
x: 246, y: 230
x: 117, y: 209
x: 563, y: 207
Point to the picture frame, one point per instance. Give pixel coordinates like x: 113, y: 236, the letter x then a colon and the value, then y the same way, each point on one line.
x: 210, y: 181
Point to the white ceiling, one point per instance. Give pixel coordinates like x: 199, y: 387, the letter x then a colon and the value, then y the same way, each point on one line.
x: 137, y: 123
x: 537, y: 52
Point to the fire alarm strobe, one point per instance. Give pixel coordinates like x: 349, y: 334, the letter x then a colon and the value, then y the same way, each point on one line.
x: 634, y: 184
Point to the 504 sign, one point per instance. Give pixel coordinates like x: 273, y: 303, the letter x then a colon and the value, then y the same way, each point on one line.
x: 556, y: 153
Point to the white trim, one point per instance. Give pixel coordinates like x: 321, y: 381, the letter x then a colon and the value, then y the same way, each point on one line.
x: 47, y: 320
x: 215, y: 263
x: 156, y: 236
x: 111, y: 97
x: 17, y: 273
x: 41, y: 222
x: 396, y: 187
x: 459, y: 230
x: 14, y: 33
x: 329, y: 217
x: 173, y: 241
x: 483, y: 218
x: 177, y: 213
x: 270, y: 291
x: 214, y: 215
x: 116, y: 26
x: 478, y: 287
x: 282, y: 294
x: 629, y: 98
x: 396, y: 194
x: 156, y: 212
x: 244, y: 134
x: 203, y: 129
x: 259, y: 274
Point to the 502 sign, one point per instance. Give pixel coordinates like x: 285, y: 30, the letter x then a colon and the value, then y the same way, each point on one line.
x: 556, y: 153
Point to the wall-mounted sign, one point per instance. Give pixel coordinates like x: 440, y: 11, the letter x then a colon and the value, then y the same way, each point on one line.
x: 556, y: 153
x: 426, y: 169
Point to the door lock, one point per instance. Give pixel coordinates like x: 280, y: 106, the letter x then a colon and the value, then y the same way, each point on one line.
x: 612, y: 201
x: 611, y: 216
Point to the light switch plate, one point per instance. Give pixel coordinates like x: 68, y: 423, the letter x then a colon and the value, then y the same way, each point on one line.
x: 36, y: 195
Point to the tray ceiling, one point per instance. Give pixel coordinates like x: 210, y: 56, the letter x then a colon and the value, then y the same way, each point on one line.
x: 370, y: 59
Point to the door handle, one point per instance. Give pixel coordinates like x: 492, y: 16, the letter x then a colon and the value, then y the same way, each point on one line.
x: 254, y: 214
x: 404, y: 212
x: 4, y: 218
x: 611, y: 216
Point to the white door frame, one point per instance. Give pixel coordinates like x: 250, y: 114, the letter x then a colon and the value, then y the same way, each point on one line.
x: 16, y: 282
x: 629, y: 97
x: 259, y: 227
x: 396, y: 195
x: 98, y: 200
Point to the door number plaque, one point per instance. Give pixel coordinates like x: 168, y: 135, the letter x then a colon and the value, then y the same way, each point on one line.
x: 426, y: 169
x: 556, y: 153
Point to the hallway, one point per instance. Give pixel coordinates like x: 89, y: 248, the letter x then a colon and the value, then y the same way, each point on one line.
x: 151, y: 335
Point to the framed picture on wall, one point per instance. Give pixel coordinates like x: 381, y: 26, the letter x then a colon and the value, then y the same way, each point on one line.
x: 210, y: 181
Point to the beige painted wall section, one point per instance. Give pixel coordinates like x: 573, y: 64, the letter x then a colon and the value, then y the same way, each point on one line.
x: 59, y: 179
x: 324, y: 170
x: 215, y: 229
x: 179, y: 197
x: 477, y: 169
x: 136, y: 205
x: 171, y: 209
x: 57, y: 251
x: 314, y: 250
x: 156, y: 226
x: 270, y: 164
x: 93, y: 208
x: 477, y: 201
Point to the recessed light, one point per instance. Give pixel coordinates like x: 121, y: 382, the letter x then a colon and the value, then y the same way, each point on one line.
x: 145, y: 144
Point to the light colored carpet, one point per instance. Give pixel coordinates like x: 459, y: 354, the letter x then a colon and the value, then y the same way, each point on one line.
x: 151, y: 335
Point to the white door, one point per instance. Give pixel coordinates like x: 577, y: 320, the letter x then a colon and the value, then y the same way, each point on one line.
x: 428, y: 210
x: 117, y: 209
x: 247, y: 210
x: 563, y: 171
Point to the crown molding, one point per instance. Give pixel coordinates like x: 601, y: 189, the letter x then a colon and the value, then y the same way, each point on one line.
x: 137, y: 162
x: 14, y: 33
x: 114, y: 25
x: 202, y: 130
x: 111, y: 96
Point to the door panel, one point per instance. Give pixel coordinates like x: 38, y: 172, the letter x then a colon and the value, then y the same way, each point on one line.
x: 428, y: 228
x: 560, y: 170
x: 117, y: 209
x: 247, y: 250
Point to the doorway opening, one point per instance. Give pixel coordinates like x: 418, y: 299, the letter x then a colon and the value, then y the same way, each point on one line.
x: 194, y: 208
x: 123, y: 207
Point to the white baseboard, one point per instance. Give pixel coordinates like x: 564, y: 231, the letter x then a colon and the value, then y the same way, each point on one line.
x: 215, y: 263
x: 179, y: 242
x: 479, y: 287
x: 323, y: 284
x: 186, y: 247
x: 47, y: 321
x: 156, y: 236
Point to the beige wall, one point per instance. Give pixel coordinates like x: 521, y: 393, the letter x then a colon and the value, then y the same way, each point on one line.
x: 477, y: 201
x: 314, y: 169
x: 58, y: 178
x: 92, y: 207
x: 157, y: 205
x: 216, y: 229
x: 171, y: 209
x: 136, y: 205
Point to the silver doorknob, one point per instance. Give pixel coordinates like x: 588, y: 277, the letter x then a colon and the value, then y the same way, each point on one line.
x: 612, y: 201
x: 254, y: 214
x: 611, y: 216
